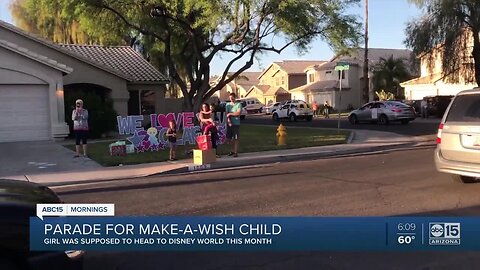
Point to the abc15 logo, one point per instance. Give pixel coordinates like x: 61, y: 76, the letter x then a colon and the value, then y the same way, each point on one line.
x: 444, y: 230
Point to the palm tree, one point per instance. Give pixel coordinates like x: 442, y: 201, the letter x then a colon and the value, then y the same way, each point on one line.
x: 388, y: 73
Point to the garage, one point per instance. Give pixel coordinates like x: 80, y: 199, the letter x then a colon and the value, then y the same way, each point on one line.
x: 24, y: 113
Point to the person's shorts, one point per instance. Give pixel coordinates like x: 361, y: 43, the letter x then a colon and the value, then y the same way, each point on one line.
x: 233, y: 132
x: 81, y: 136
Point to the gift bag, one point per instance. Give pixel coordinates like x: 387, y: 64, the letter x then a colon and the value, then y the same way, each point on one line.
x: 118, y: 148
x: 204, y: 142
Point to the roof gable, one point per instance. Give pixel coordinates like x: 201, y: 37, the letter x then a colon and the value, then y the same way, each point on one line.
x: 121, y: 58
x: 292, y: 67
x: 78, y: 56
x: 34, y: 56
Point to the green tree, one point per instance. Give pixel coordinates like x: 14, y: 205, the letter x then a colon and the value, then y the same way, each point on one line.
x: 448, y: 29
x: 68, y: 21
x: 388, y: 73
x: 191, y: 33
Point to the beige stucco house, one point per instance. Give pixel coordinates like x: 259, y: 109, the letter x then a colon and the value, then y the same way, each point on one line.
x: 431, y: 81
x: 278, y: 78
x: 287, y: 74
x: 35, y: 74
x: 323, y: 81
x: 240, y: 85
x: 268, y: 94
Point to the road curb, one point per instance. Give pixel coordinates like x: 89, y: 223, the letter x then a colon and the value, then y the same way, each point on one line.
x: 235, y: 163
x: 285, y: 158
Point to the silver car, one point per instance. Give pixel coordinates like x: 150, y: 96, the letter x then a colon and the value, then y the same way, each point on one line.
x: 270, y: 108
x: 383, y: 112
x: 458, y: 138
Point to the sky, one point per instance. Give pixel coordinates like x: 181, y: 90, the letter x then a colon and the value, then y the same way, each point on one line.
x: 387, y: 21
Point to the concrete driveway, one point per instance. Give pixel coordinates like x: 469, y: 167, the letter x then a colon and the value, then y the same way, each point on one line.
x: 20, y: 159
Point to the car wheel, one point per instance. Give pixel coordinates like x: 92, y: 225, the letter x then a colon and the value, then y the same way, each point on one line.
x: 464, y: 179
x: 405, y: 122
x: 383, y: 120
x: 353, y: 119
x: 293, y: 117
x: 275, y: 117
x: 309, y: 118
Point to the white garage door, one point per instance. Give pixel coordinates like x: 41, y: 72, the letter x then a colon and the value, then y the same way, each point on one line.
x: 24, y: 113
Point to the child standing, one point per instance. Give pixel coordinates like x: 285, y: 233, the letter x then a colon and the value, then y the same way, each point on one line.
x: 172, y: 138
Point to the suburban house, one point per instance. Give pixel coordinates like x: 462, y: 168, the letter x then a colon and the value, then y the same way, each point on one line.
x: 240, y: 85
x: 431, y: 81
x: 269, y: 94
x: 35, y: 74
x: 278, y: 78
x: 323, y: 81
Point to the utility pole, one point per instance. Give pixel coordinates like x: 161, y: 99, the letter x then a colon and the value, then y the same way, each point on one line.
x: 368, y: 95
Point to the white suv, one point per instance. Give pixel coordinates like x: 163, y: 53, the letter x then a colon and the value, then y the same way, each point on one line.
x: 458, y: 138
x: 293, y: 110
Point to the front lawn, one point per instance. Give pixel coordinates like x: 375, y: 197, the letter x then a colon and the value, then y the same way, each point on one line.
x: 253, y: 138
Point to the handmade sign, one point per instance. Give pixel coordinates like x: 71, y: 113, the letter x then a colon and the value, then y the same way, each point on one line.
x: 154, y: 138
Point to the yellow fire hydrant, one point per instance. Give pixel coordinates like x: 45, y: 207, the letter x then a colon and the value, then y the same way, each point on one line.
x: 281, y: 135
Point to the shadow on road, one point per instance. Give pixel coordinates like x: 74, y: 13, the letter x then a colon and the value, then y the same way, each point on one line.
x: 166, y: 183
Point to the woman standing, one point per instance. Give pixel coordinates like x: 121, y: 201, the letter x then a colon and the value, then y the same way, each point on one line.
x: 207, y: 119
x: 80, y: 127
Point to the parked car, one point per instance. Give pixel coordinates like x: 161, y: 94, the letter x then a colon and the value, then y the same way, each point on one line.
x: 293, y: 110
x: 437, y: 105
x: 252, y: 105
x: 383, y: 112
x: 243, y: 113
x: 272, y: 107
x: 458, y: 138
x: 17, y: 204
x: 416, y: 104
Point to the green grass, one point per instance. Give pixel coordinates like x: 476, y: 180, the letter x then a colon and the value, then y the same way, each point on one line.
x: 253, y: 138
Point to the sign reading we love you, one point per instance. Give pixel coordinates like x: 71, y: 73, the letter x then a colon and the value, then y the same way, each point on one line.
x: 154, y: 138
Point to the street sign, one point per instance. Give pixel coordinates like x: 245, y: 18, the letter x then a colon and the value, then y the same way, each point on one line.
x: 342, y: 66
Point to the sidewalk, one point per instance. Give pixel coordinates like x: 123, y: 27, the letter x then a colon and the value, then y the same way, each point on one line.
x: 361, y: 141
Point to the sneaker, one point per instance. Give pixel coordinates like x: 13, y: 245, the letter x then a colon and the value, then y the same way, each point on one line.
x: 231, y: 154
x: 76, y: 156
x: 218, y: 156
x: 235, y: 155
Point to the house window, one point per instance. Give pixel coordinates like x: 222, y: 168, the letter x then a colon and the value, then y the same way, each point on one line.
x: 283, y: 80
x: 311, y: 78
x: 343, y: 75
x: 141, y: 102
x: 328, y: 72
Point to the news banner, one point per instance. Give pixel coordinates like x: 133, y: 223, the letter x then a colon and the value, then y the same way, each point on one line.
x: 95, y: 227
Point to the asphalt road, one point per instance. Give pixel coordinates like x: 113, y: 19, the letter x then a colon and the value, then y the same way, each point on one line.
x: 391, y: 183
x: 418, y: 127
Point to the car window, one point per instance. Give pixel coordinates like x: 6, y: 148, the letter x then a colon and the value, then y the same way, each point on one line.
x: 366, y: 106
x: 465, y: 108
x: 397, y: 104
x: 301, y: 106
